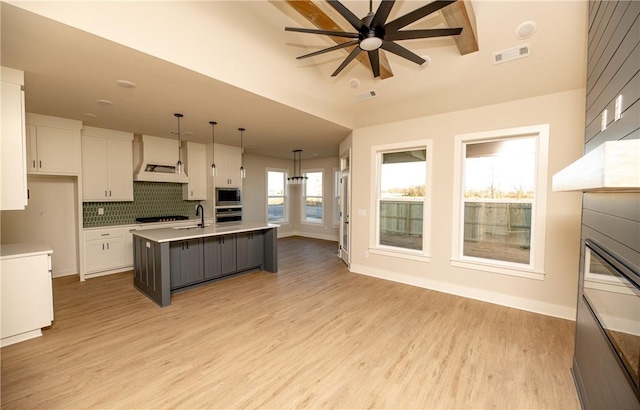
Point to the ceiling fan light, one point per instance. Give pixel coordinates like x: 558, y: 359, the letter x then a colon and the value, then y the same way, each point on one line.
x: 371, y: 43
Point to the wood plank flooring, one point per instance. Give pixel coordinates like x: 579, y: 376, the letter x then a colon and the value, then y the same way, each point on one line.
x: 311, y: 336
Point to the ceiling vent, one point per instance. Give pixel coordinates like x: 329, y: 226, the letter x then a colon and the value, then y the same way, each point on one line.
x: 511, y: 54
x: 367, y: 95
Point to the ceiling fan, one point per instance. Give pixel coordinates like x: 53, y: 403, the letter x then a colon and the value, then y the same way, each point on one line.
x: 374, y: 33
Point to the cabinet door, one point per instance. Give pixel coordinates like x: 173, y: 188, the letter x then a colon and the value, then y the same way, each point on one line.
x: 13, y: 167
x: 58, y: 150
x: 186, y: 262
x: 119, y: 168
x: 196, y: 189
x: 94, y: 169
x: 234, y: 162
x: 228, y: 161
x: 113, y: 256
x: 250, y: 250
x: 32, y: 151
x: 212, y: 259
x: 93, y: 255
x: 228, y: 254
x: 25, y: 295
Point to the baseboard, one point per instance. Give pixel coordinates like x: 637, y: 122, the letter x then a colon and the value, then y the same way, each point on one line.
x: 333, y: 238
x: 528, y: 305
x: 61, y: 274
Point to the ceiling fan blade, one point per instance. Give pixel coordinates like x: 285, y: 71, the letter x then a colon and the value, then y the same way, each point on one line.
x: 325, y: 32
x: 402, y: 52
x: 326, y: 50
x: 347, y: 14
x: 415, y: 34
x: 374, y: 59
x: 346, y: 61
x: 381, y: 14
x: 416, y: 15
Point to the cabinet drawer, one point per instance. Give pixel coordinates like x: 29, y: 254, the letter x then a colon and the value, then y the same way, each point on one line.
x: 103, y: 234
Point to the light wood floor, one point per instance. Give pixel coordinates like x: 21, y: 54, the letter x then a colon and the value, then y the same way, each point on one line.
x: 312, y: 336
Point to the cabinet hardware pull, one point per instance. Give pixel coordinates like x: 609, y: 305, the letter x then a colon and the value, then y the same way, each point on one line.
x: 105, y: 193
x: 103, y: 246
x: 109, y: 192
x: 104, y: 234
x: 107, y: 245
x: 34, y: 163
x: 40, y: 162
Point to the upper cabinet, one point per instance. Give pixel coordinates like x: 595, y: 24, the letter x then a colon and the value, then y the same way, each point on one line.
x: 53, y: 145
x: 228, y: 160
x: 194, y: 157
x: 107, y: 165
x: 13, y: 173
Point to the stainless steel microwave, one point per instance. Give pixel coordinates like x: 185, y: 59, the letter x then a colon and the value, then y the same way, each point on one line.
x: 228, y: 196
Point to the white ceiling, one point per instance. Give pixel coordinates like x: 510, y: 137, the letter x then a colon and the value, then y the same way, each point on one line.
x: 232, y: 62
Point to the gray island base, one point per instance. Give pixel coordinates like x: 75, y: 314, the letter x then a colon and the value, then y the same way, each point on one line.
x: 170, y: 259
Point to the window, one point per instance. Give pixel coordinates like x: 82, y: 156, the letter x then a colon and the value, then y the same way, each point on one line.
x: 403, y: 198
x: 276, y: 196
x: 312, y: 201
x: 501, y: 183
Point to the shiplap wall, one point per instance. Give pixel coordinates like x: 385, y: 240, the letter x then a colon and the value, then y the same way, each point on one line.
x: 613, y: 68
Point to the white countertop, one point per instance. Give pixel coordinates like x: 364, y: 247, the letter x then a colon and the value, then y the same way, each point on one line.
x: 176, y: 234
x: 21, y: 250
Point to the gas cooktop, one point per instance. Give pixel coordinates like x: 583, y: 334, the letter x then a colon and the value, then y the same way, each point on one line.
x: 148, y: 219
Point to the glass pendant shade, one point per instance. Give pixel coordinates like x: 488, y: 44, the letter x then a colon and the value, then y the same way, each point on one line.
x: 179, y: 163
x: 243, y: 172
x: 213, y: 148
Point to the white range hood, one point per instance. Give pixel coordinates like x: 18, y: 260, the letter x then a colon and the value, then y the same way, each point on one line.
x: 154, y: 160
x: 614, y: 166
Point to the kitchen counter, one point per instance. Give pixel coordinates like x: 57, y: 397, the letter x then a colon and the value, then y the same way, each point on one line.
x: 168, y: 260
x: 22, y: 250
x: 182, y: 233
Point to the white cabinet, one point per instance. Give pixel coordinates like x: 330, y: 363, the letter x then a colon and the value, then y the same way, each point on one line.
x: 26, y: 295
x: 194, y: 157
x: 228, y: 161
x: 13, y: 172
x: 53, y: 145
x: 107, y: 165
x: 103, y: 249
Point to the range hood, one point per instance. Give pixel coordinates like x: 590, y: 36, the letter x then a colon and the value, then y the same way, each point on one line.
x: 614, y: 166
x: 154, y: 160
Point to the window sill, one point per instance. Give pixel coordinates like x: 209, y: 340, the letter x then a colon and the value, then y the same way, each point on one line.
x: 415, y: 256
x: 320, y: 223
x: 501, y: 270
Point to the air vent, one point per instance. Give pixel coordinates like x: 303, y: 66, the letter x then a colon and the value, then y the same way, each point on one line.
x: 511, y: 54
x: 367, y: 95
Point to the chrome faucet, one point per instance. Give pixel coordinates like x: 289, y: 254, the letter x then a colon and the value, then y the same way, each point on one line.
x: 200, y: 211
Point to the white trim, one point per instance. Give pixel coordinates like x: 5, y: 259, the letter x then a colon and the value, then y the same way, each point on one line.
x: 529, y: 305
x: 534, y: 270
x: 404, y: 254
x: 374, y: 220
x: 332, y: 238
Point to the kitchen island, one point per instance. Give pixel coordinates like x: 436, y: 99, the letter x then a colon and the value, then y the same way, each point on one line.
x: 167, y: 260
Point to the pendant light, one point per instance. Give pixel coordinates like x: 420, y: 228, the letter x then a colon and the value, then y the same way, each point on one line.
x: 297, y: 178
x: 179, y: 163
x: 213, y: 148
x: 243, y: 173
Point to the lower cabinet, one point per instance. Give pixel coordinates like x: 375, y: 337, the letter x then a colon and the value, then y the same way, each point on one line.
x: 219, y: 256
x: 250, y: 253
x: 103, y: 249
x: 187, y: 265
x: 201, y: 259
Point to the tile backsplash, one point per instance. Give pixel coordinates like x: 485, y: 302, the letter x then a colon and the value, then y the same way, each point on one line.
x: 149, y: 199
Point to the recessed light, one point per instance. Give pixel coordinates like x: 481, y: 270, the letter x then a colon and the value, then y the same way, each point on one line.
x: 89, y: 115
x: 126, y: 84
x: 354, y: 83
x: 106, y: 103
x: 526, y: 30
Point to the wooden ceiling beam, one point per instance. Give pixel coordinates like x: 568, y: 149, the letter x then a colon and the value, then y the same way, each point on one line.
x: 460, y: 14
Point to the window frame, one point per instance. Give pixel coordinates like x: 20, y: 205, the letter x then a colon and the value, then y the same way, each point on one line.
x: 335, y: 215
x: 535, y: 268
x: 375, y: 247
x: 285, y: 196
x: 303, y: 203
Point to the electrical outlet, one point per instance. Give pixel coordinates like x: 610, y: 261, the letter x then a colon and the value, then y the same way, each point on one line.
x: 100, y: 211
x: 42, y: 214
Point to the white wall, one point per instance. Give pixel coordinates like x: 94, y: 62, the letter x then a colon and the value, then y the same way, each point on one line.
x: 255, y: 195
x: 556, y: 294
x: 50, y: 217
